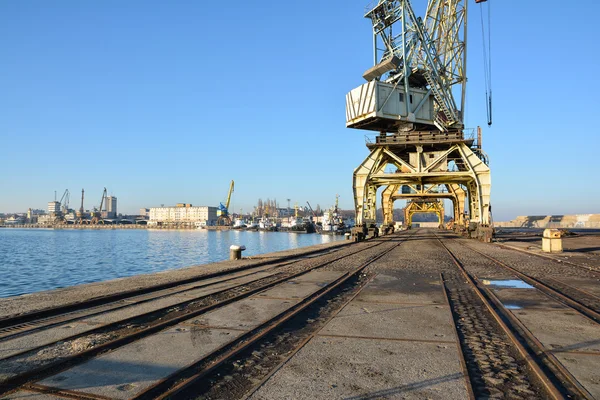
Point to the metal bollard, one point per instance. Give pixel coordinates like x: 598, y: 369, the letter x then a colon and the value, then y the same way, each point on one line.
x: 235, y: 252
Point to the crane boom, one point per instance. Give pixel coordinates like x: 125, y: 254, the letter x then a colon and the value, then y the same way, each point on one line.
x: 97, y: 215
x: 311, y: 210
x: 102, y: 200
x: 223, y: 209
x: 229, y: 195
x: 64, y: 201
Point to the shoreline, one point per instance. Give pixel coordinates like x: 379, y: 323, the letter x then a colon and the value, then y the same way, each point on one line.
x: 28, y: 302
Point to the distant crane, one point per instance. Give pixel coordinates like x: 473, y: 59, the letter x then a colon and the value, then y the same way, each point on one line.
x: 63, y: 208
x: 97, y: 215
x: 311, y: 210
x: 223, y: 211
x: 314, y: 223
x: 80, y: 214
x: 337, y: 200
x: 64, y: 201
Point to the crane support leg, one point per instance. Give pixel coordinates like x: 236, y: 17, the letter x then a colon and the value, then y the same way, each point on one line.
x: 458, y: 202
x: 452, y: 171
x: 364, y: 190
x: 479, y: 188
x: 387, y: 205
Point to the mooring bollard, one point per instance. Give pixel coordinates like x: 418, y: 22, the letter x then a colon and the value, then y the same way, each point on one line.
x: 235, y: 252
x: 552, y: 241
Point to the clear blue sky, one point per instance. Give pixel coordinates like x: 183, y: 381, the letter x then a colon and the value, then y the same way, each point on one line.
x: 166, y: 102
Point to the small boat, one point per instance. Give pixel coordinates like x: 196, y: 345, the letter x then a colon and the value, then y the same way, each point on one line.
x: 239, y: 224
x: 333, y: 223
x: 251, y: 226
x: 302, y: 225
x: 265, y: 224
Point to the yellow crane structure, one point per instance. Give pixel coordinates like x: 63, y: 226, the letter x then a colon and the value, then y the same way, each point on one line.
x: 223, y: 212
x: 414, y: 101
x: 59, y: 216
x: 97, y: 214
x: 415, y: 206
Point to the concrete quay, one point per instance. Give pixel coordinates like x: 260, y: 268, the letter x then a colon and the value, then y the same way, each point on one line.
x: 422, y: 314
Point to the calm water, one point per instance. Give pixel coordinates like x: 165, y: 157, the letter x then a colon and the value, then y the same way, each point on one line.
x: 32, y: 260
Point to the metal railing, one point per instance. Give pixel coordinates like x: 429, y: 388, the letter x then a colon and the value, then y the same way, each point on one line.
x: 416, y: 137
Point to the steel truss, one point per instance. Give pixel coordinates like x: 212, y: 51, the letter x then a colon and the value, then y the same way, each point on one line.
x: 426, y: 53
x: 452, y: 191
x: 430, y: 158
x: 452, y: 171
x: 424, y: 206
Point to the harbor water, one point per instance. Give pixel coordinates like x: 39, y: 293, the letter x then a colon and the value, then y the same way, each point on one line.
x: 32, y: 260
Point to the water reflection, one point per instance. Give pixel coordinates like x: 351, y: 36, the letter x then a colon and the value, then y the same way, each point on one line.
x: 512, y: 306
x: 32, y: 260
x: 507, y: 283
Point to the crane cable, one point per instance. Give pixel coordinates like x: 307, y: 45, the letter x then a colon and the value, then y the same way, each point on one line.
x: 487, y: 59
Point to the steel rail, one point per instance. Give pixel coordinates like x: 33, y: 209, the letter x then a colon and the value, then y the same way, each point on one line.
x: 549, y: 257
x: 132, y: 320
x: 544, y: 365
x: 544, y: 288
x: 310, y: 337
x: 8, y: 321
x: 29, y: 327
x: 116, y: 324
x: 304, y: 342
x: 463, y: 362
x: 183, y: 379
x: 595, y: 296
x: 42, y: 372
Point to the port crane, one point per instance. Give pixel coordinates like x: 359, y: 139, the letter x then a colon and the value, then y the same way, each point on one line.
x: 311, y: 210
x: 414, y: 98
x: 81, y: 213
x: 64, y: 201
x: 59, y: 217
x: 97, y: 214
x: 223, y: 211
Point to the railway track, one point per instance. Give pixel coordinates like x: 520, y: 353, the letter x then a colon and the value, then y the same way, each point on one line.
x: 142, y: 326
x: 122, y: 318
x: 582, y: 301
x: 549, y: 257
x: 24, y: 324
x: 24, y: 321
x: 543, y: 366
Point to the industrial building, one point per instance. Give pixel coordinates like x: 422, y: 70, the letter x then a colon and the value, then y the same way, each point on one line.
x: 183, y: 214
x: 53, y: 207
x: 111, y: 206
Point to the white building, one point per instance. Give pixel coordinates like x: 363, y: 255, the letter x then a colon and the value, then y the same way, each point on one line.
x: 111, y: 206
x: 183, y: 214
x: 53, y: 207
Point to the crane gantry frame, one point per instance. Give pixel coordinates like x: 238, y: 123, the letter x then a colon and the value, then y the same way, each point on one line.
x: 410, y: 100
